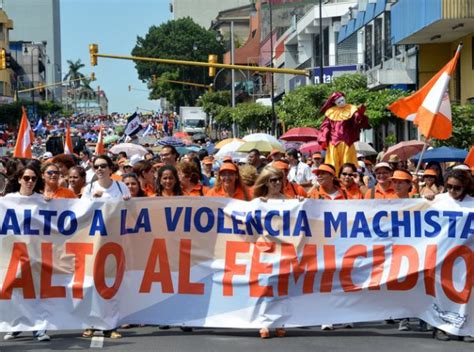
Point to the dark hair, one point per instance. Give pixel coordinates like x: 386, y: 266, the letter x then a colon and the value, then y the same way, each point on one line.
x: 190, y: 168
x: 173, y: 150
x: 435, y: 165
x: 202, y: 153
x: 123, y: 155
x: 105, y: 157
x: 45, y: 166
x: 67, y: 159
x: 351, y: 165
x: 142, y: 166
x: 14, y: 185
x: 177, y: 187
x: 254, y: 150
x: 462, y: 176
x: 80, y: 170
x: 141, y: 192
x: 292, y: 152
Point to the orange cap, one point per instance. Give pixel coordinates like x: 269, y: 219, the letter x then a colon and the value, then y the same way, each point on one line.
x: 317, y: 155
x: 158, y: 165
x: 430, y: 172
x: 280, y: 165
x: 324, y: 168
x: 227, y: 159
x: 207, y: 160
x: 402, y: 175
x: 275, y: 151
x: 229, y: 167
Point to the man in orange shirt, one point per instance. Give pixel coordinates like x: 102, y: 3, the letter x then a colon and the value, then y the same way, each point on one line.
x: 384, y: 188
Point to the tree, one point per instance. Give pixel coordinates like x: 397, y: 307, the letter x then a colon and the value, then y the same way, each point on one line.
x: 180, y: 39
x: 252, y: 116
x: 463, y: 128
x: 73, y: 73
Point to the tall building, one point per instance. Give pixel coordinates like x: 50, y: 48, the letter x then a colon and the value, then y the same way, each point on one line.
x: 38, y: 21
x: 6, y: 86
x: 202, y: 15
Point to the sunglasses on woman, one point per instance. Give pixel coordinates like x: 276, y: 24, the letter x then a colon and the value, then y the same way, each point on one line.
x: 52, y: 172
x: 347, y: 174
x: 101, y: 166
x: 454, y: 188
x: 29, y: 178
x: 275, y: 180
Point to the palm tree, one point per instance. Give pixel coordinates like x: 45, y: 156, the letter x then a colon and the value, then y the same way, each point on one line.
x: 74, y: 73
x: 86, y: 91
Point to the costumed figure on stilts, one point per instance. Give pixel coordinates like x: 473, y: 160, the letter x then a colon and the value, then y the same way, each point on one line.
x: 340, y: 130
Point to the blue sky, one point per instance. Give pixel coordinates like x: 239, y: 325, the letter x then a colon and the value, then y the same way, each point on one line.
x: 114, y: 25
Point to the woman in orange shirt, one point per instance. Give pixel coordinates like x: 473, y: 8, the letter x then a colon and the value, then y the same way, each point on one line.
x: 167, y: 183
x: 348, y: 176
x: 228, y: 183
x: 133, y: 184
x: 50, y: 174
x: 146, y: 176
x: 189, y: 177
x: 329, y: 187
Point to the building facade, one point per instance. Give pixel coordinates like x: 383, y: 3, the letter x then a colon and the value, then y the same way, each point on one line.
x: 39, y: 22
x: 7, y: 85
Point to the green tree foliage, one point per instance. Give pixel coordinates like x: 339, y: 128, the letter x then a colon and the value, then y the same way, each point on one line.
x: 180, y: 39
x: 10, y: 114
x: 300, y: 108
x: 217, y: 105
x: 74, y: 72
x: 463, y: 128
x: 252, y: 117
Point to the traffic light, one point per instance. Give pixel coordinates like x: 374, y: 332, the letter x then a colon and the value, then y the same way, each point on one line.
x: 129, y: 88
x: 212, y: 59
x: 93, y: 50
x: 3, y: 59
x: 92, y: 76
x: 8, y: 60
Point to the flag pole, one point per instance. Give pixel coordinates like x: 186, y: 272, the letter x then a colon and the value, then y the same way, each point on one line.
x: 425, y: 146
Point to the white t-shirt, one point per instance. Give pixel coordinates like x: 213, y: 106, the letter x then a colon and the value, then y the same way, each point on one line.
x: 17, y: 194
x: 300, y: 173
x: 118, y: 189
x: 446, y: 196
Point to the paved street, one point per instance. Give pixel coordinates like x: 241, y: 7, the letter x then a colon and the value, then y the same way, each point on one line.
x: 363, y: 337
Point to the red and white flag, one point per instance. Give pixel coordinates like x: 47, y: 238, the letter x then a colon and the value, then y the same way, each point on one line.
x: 429, y: 108
x: 470, y: 158
x: 99, y: 147
x: 68, y: 141
x: 24, y: 139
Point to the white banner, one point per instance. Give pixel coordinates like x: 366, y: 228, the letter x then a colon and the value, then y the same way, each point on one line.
x: 215, y: 262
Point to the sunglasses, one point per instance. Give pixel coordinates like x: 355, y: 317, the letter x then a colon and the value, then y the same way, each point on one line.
x: 275, y: 180
x: 101, y: 166
x: 454, y: 188
x: 29, y: 178
x: 347, y: 174
x: 52, y: 172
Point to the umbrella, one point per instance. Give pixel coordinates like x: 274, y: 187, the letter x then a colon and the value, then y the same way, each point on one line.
x: 181, y: 135
x: 292, y: 145
x: 129, y: 148
x: 404, y: 150
x: 311, y: 147
x: 442, y: 154
x: 175, y: 142
x: 303, y: 134
x: 226, y: 141
x: 261, y: 137
x: 365, y: 148
x: 199, y: 136
x: 230, y: 149
x: 261, y: 146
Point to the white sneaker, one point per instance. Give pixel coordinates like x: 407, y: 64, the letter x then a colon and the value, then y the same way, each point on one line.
x: 43, y: 337
x: 327, y: 327
x: 11, y: 335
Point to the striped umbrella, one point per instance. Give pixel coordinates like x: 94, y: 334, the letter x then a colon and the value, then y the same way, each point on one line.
x: 175, y: 142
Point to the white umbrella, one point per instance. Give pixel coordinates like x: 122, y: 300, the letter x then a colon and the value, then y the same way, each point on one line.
x: 365, y: 148
x: 256, y: 137
x: 230, y: 149
x: 129, y: 148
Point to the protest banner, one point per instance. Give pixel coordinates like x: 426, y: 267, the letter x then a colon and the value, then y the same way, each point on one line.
x: 216, y: 262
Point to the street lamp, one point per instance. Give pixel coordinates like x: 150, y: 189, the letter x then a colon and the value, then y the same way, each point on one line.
x: 33, y: 48
x: 274, y: 122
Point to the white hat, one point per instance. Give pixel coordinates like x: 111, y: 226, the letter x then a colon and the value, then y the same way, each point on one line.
x: 135, y: 159
x: 461, y: 167
x: 382, y: 164
x: 47, y: 155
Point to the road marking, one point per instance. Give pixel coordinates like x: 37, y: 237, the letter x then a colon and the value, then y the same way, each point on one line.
x: 97, y: 342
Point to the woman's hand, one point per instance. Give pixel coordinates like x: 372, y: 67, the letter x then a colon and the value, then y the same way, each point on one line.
x: 97, y: 194
x: 264, y: 199
x: 126, y: 197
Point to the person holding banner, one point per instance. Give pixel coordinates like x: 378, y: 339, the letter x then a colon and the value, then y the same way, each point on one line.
x: 228, y: 183
x: 384, y: 188
x: 77, y: 180
x: 52, y: 190
x: 329, y: 187
x: 458, y: 184
x: 133, y: 184
x: 291, y: 189
x: 167, y: 182
x: 351, y: 181
x: 402, y: 181
x: 146, y: 175
x: 431, y: 187
x: 105, y: 187
x: 28, y: 185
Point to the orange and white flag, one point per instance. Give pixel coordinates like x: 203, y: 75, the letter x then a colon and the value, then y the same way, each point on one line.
x: 68, y: 141
x: 24, y: 139
x: 99, y: 147
x: 429, y: 108
x: 470, y: 158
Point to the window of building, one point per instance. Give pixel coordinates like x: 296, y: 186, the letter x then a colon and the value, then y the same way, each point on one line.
x: 378, y: 28
x: 368, y: 46
x: 388, y: 36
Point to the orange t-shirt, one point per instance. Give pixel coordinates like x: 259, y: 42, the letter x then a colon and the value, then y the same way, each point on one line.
x: 320, y: 193
x: 381, y: 194
x: 198, y: 191
x: 63, y: 192
x: 239, y: 193
x: 149, y: 192
x: 293, y: 190
x: 353, y: 192
x: 116, y: 177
